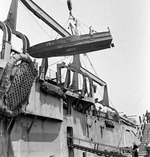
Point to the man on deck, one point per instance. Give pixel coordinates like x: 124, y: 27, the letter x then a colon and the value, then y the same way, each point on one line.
x: 147, y: 116
x: 134, y: 150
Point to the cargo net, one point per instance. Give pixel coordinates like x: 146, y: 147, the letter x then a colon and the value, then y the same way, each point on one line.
x: 20, y: 86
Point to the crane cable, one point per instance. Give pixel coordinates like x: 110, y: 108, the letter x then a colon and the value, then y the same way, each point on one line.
x: 96, y: 75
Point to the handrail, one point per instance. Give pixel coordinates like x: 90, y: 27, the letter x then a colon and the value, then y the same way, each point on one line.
x: 6, y: 41
x: 97, y: 143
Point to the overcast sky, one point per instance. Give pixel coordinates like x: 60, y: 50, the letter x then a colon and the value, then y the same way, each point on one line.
x: 126, y: 67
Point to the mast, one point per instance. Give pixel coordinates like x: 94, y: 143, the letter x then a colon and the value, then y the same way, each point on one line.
x: 12, y: 15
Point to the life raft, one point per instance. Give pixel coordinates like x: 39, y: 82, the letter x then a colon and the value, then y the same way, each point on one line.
x: 16, y: 83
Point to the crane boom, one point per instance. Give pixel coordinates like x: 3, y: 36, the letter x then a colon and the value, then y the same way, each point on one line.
x: 40, y: 13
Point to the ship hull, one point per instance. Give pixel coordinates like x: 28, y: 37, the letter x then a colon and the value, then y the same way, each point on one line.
x: 48, y: 137
x: 32, y: 134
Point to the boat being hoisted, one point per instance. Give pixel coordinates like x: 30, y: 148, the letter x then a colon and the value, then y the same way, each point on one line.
x: 72, y: 45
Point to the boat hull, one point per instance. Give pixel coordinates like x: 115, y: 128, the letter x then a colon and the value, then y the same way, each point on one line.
x: 72, y: 45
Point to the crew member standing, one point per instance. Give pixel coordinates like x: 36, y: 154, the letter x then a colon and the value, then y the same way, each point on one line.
x: 134, y: 150
x: 147, y: 116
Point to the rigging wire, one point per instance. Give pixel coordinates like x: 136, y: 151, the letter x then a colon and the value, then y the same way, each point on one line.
x: 83, y: 63
x: 58, y: 61
x: 82, y: 29
x: 65, y: 26
x: 97, y: 76
x: 86, y: 68
x: 91, y: 64
x: 35, y: 20
x: 84, y: 24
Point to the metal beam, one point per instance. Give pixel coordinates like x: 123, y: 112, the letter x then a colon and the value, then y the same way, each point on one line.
x: 12, y: 15
x: 34, y: 8
x: 93, y: 77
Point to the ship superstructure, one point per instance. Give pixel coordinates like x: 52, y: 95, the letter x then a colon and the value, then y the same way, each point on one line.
x: 56, y: 117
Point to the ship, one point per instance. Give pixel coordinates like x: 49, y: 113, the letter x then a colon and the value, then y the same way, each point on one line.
x: 41, y: 116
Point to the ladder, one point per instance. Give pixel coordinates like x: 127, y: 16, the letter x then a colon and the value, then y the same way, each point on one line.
x: 145, y: 137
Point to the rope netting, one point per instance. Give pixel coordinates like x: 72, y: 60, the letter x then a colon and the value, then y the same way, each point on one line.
x: 16, y: 83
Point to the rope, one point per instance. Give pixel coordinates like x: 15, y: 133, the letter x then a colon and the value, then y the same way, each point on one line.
x: 84, y: 24
x: 58, y: 61
x: 97, y: 76
x: 82, y: 29
x: 91, y: 64
x: 65, y: 26
x: 83, y: 63
x: 35, y: 20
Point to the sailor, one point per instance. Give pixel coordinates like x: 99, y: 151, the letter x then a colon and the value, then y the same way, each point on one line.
x: 147, y: 145
x: 76, y: 31
x: 147, y: 116
x: 79, y: 107
x: 143, y: 119
x: 91, y: 31
x: 135, y: 150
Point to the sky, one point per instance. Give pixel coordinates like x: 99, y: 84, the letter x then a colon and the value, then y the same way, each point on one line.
x: 126, y: 67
